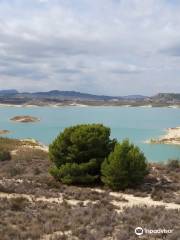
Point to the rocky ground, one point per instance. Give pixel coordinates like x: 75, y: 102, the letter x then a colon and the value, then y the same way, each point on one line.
x: 34, y: 206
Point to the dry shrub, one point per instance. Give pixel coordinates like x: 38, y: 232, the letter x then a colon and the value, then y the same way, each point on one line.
x: 5, y: 156
x: 15, y: 170
x: 173, y: 164
x: 59, y: 237
x: 7, y: 144
x: 29, y: 153
x: 157, y: 194
x: 18, y: 203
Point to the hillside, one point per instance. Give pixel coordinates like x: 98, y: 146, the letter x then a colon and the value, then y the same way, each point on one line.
x: 165, y: 97
x: 73, y: 98
x: 8, y: 92
x: 65, y: 95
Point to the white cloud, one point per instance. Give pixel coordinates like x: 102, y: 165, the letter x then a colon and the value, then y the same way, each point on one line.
x: 105, y: 46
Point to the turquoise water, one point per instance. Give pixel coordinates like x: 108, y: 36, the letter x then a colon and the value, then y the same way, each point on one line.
x: 137, y: 124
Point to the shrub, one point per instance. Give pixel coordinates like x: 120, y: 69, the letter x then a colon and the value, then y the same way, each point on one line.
x: 125, y: 166
x: 78, y: 153
x: 173, y: 164
x: 5, y: 155
x: 18, y: 203
x: 15, y: 170
x: 157, y: 194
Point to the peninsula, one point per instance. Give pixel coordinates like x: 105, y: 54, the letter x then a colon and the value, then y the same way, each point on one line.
x: 172, y: 136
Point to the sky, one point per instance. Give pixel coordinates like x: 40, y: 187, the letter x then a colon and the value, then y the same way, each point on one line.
x: 112, y: 47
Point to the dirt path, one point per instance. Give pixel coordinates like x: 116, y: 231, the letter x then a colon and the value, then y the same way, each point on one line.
x: 140, y: 201
x: 32, y: 198
x: 129, y: 200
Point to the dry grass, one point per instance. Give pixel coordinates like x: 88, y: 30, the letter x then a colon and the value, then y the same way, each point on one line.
x: 27, y: 173
x: 7, y: 144
x: 149, y: 218
x: 26, y: 220
x: 22, y: 219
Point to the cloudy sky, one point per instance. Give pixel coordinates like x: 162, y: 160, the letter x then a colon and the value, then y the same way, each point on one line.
x: 114, y: 47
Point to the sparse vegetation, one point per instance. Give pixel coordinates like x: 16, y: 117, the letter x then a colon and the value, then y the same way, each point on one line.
x: 173, y: 164
x: 7, y: 144
x: 94, y: 221
x: 18, y: 204
x: 149, y: 218
x: 10, y: 144
x: 29, y: 211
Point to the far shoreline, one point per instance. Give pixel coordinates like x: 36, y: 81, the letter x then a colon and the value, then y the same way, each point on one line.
x: 59, y: 105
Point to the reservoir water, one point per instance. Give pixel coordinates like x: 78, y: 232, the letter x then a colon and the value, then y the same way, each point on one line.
x: 138, y: 124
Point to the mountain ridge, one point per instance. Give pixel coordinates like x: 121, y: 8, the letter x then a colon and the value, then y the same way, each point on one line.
x: 68, y: 95
x: 14, y: 97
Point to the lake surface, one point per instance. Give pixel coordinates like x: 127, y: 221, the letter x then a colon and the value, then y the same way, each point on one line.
x: 138, y: 124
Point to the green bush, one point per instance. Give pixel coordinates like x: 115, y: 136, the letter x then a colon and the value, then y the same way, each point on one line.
x: 5, y: 155
x: 125, y: 167
x: 70, y: 173
x: 78, y: 153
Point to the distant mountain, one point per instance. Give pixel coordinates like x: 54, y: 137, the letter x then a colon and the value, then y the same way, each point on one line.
x: 73, y: 95
x: 8, y: 92
x: 69, y: 95
x: 57, y: 95
x: 12, y: 96
x: 135, y: 97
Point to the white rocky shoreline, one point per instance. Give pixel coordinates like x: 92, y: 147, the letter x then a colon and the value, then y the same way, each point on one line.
x: 76, y: 104
x: 172, y: 136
